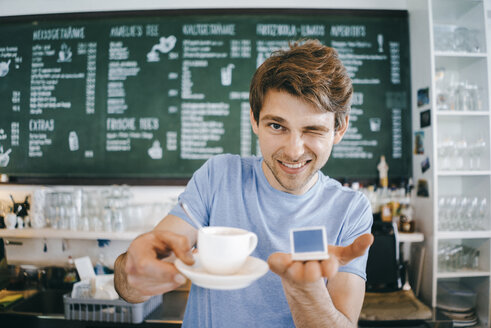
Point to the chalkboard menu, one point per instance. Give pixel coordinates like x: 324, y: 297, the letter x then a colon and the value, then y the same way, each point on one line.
x: 155, y: 94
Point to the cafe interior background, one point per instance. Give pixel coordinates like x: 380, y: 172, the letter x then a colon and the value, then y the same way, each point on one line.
x: 442, y: 207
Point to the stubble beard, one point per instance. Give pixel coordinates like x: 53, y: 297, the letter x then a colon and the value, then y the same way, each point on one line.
x: 294, y: 185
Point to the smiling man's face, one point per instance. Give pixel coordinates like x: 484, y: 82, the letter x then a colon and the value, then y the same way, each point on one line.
x: 296, y: 140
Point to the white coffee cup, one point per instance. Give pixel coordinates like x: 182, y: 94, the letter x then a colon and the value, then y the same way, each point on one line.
x: 224, y: 250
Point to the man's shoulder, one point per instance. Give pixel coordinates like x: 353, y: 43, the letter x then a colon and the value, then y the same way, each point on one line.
x: 231, y: 161
x: 227, y: 171
x: 334, y: 187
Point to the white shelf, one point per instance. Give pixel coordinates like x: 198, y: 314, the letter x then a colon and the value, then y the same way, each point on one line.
x: 463, y: 274
x: 462, y: 173
x: 460, y: 54
x: 433, y: 68
x: 67, y: 234
x: 410, y: 237
x: 463, y: 234
x: 461, y: 113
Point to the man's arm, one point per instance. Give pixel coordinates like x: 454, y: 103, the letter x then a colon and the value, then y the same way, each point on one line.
x: 314, y: 305
x: 311, y: 303
x: 146, y: 268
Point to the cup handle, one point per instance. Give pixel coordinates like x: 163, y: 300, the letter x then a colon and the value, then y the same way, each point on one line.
x: 252, y: 242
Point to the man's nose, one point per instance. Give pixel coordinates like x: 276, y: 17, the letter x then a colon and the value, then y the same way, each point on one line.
x: 295, y: 146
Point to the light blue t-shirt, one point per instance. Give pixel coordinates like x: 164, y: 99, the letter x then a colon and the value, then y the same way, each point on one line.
x: 229, y: 190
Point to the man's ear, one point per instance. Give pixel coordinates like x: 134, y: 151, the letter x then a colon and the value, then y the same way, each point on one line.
x: 338, y: 135
x: 254, y: 124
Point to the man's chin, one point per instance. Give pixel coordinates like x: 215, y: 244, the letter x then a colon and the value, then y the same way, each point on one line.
x: 293, y: 186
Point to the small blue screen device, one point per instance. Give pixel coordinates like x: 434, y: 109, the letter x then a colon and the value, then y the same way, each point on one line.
x: 308, y: 243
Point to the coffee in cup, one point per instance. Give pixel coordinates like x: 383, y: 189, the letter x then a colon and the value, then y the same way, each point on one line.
x: 224, y: 250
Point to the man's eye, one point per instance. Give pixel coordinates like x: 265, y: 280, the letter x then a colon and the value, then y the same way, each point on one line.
x: 275, y: 126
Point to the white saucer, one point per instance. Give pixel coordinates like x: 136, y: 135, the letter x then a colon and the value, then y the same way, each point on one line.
x: 252, y: 270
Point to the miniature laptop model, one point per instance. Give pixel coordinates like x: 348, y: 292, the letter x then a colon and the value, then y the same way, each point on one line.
x: 308, y: 243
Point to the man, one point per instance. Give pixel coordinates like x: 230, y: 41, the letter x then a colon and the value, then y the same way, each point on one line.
x: 300, y: 102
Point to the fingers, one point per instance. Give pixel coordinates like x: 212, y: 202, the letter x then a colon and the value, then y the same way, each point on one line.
x: 330, y: 267
x: 282, y: 265
x: 310, y: 271
x: 146, y: 272
x: 154, y: 278
x: 313, y: 271
x: 179, y: 244
x: 350, y: 252
x: 279, y: 263
x: 295, y: 271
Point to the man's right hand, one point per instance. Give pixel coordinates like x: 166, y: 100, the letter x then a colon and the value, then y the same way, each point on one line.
x: 142, y: 271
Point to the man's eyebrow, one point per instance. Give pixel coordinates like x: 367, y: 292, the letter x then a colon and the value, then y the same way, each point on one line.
x: 281, y: 120
x: 322, y: 128
x: 278, y: 119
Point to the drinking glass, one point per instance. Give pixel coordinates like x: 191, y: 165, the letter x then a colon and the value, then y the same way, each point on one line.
x: 474, y: 102
x: 452, y: 210
x: 460, y: 152
x: 443, y: 37
x: 442, y: 213
x: 72, y: 217
x: 446, y: 149
x: 482, y: 212
x: 477, y: 149
x: 107, y: 224
x: 454, y: 257
x: 466, y: 40
x: 472, y: 214
x: 117, y: 213
x: 461, y: 97
x: 52, y: 210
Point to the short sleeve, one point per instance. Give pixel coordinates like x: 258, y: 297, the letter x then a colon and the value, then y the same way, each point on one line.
x: 197, y: 195
x: 360, y: 222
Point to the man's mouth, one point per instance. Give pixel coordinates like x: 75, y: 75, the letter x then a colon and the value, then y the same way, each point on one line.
x: 294, y: 166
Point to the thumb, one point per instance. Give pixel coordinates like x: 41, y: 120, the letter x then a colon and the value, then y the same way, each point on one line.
x: 357, y: 248
x: 362, y: 243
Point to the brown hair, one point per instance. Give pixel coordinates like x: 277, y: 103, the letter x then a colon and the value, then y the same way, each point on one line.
x: 308, y: 70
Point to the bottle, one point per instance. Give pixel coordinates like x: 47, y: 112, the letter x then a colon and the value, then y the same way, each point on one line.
x: 70, y: 272
x: 386, y: 212
x: 406, y: 222
x: 99, y: 266
x: 107, y: 225
x: 383, y: 168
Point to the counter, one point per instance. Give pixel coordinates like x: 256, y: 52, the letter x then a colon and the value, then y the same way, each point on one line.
x: 168, y: 315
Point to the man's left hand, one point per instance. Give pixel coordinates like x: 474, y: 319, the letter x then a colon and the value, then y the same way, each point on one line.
x: 310, y: 271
